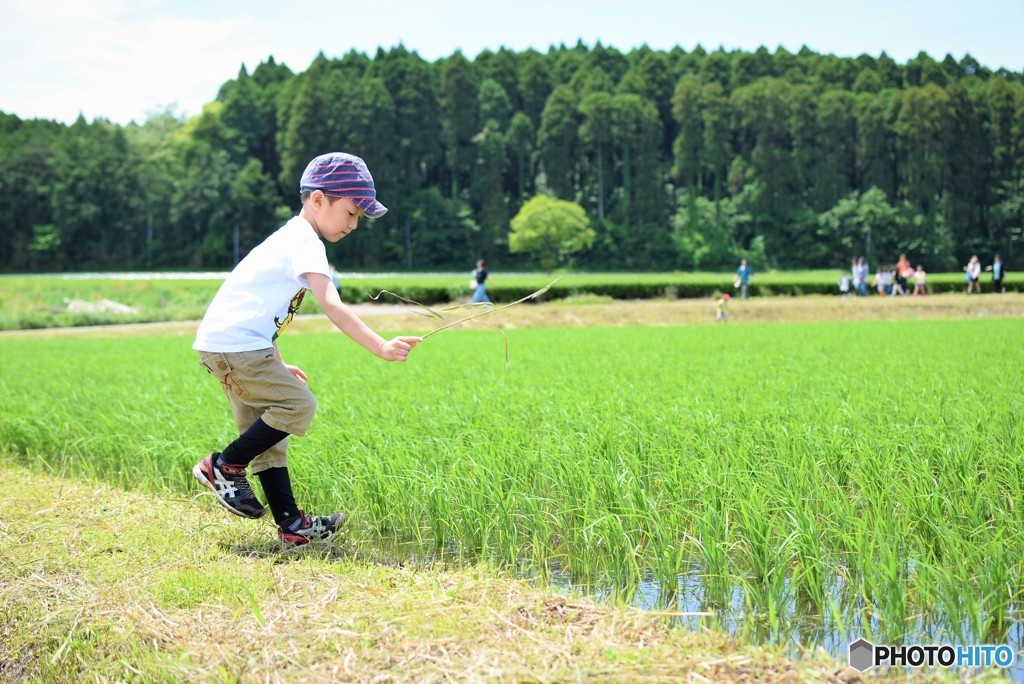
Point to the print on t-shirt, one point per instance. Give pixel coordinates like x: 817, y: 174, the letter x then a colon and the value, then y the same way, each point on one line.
x: 293, y: 306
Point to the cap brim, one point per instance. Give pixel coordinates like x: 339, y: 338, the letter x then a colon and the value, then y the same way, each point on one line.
x: 373, y: 209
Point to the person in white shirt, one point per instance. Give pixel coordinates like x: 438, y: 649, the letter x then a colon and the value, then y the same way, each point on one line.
x: 237, y: 343
x: 973, y: 270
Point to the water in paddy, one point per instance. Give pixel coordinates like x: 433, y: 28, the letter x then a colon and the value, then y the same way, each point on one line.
x: 798, y: 626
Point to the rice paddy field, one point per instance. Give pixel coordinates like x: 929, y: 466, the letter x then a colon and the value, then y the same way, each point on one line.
x: 801, y: 483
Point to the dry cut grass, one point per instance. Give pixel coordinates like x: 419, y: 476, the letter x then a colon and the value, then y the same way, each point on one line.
x: 590, y: 311
x: 97, y: 584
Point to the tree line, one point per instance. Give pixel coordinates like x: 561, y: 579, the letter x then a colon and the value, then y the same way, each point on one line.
x: 681, y: 160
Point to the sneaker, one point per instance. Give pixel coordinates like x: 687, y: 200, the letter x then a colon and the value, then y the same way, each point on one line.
x: 307, y: 528
x: 230, y: 486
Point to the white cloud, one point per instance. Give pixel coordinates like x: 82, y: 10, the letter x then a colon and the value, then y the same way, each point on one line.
x: 111, y: 60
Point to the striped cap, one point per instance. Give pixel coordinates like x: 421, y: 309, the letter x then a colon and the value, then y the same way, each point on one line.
x: 343, y: 175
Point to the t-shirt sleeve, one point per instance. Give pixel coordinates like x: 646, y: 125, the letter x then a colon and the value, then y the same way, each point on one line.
x: 308, y: 256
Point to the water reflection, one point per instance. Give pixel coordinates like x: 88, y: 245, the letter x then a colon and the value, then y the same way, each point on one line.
x: 781, y: 614
x: 798, y: 624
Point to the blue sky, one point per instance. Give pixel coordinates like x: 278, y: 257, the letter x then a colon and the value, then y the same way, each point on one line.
x: 120, y: 59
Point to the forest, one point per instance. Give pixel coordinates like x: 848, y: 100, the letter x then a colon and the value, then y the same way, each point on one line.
x: 682, y: 160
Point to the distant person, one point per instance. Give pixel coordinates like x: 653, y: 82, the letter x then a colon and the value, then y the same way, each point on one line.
x: 972, y: 273
x: 860, y: 271
x: 721, y: 315
x: 882, y: 281
x: 845, y: 282
x: 898, y: 284
x: 920, y: 281
x: 902, y: 274
x: 237, y: 344
x: 480, y: 277
x: 998, y: 271
x: 743, y: 274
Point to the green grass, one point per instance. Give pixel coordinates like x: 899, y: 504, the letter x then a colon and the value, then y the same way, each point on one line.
x: 867, y: 475
x: 40, y: 301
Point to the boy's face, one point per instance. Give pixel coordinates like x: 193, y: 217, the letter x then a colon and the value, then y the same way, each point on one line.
x: 335, y: 219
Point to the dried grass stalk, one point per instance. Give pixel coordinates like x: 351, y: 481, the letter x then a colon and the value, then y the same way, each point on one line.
x: 489, y: 308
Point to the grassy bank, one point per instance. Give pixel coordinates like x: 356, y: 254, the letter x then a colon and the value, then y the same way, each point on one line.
x: 42, y: 301
x: 102, y: 585
x: 588, y: 311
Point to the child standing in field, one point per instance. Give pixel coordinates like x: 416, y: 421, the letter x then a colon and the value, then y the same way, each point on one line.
x: 883, y: 282
x: 920, y: 281
x: 721, y: 315
x: 237, y: 343
x: 844, y: 284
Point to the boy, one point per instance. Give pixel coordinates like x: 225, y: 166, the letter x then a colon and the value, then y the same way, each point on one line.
x: 237, y: 342
x: 844, y: 284
x: 721, y: 315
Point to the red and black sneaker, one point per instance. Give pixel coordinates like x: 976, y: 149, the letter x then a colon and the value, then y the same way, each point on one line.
x: 307, y: 528
x: 230, y: 486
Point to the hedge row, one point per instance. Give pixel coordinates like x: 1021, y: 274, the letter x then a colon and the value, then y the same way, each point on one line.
x: 668, y: 287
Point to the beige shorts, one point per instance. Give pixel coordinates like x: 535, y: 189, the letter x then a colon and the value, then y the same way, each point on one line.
x: 258, y: 385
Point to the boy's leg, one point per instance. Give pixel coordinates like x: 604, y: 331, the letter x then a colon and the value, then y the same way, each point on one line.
x: 277, y: 485
x: 256, y: 439
x: 268, y: 403
x: 259, y: 386
x: 274, y: 456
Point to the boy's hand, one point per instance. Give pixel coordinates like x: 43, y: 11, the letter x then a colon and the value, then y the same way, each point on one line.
x: 297, y: 372
x: 397, y: 349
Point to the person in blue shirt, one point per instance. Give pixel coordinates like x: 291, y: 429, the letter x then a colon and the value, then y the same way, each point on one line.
x: 998, y: 271
x: 480, y: 291
x: 743, y: 274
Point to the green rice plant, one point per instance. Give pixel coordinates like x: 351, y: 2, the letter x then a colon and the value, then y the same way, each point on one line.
x: 712, y: 543
x: 811, y: 564
x: 765, y: 555
x: 861, y: 474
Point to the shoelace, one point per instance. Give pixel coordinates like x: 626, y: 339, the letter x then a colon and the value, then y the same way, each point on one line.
x: 243, y: 486
x: 240, y: 481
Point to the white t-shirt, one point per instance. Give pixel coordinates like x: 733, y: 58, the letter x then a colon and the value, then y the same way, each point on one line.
x: 261, y: 295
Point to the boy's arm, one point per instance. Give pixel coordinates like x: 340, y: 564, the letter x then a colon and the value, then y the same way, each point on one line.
x: 346, y: 321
